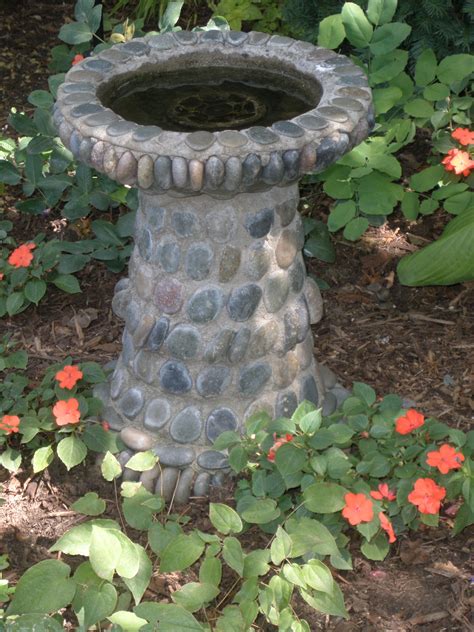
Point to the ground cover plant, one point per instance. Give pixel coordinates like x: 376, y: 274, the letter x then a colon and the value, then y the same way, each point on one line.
x: 360, y: 483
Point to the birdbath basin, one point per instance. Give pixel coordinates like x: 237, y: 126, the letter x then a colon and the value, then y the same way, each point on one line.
x: 214, y: 129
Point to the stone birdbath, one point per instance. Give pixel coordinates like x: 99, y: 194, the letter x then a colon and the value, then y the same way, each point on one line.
x: 214, y: 129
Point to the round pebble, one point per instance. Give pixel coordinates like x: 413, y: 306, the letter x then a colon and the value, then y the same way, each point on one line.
x: 297, y: 274
x: 196, y: 174
x: 201, y: 484
x: 239, y: 345
x: 185, y: 484
x: 158, y: 334
x: 305, y: 352
x: 275, y: 291
x: 145, y: 175
x: 169, y: 296
x: 200, y: 140
x: 231, y: 138
x: 309, y: 390
x: 213, y: 381
x: 118, y: 382
x: 220, y: 420
x: 186, y: 427
x: 296, y: 324
x: 179, y: 172
x: 251, y: 168
x: 229, y: 263
x: 221, y: 225
x: 217, y: 348
x: 148, y: 478
x: 145, y: 244
x: 175, y: 377
x: 185, y: 223
x: 253, y: 378
x: 286, y: 248
x: 111, y: 416
x: 328, y: 377
x: 136, y: 439
x: 313, y: 300
x: 264, y: 339
x: 199, y: 260
x: 286, y: 211
x: 291, y: 162
x: 183, y: 342
x: 205, y: 304
x: 286, y: 404
x: 168, y: 254
x: 273, y: 172
x: 143, y: 330
x: 262, y: 135
x: 259, y: 224
x: 128, y: 349
x: 243, y: 301
x: 174, y: 456
x: 212, y: 460
x: 214, y: 172
x: 329, y: 404
x: 162, y: 171
x: 257, y: 260
x: 132, y: 402
x: 157, y: 414
x: 144, y: 366
x: 285, y: 371
x: 166, y: 483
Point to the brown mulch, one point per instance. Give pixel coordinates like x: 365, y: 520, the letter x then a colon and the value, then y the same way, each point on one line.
x: 417, y: 342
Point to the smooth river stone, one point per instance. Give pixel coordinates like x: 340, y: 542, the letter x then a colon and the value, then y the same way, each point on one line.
x: 131, y: 402
x: 111, y: 416
x: 183, y: 342
x: 199, y: 261
x: 196, y: 174
x: 296, y: 324
x: 213, y: 381
x: 309, y: 390
x: 253, y: 378
x: 145, y: 244
x: 166, y: 483
x: 205, y: 304
x: 184, y: 486
x: 274, y: 170
x: 275, y: 291
x: 286, y: 404
x: 128, y: 350
x: 145, y: 173
x: 285, y: 371
x: 143, y: 330
x: 305, y: 351
x: 329, y: 404
x: 185, y: 223
x: 126, y: 171
x: 175, y: 377
x: 186, y: 427
x: 169, y: 296
x: 157, y: 414
x: 214, y: 172
x: 118, y: 382
x: 213, y: 460
x: 221, y: 225
x: 243, y: 301
x: 174, y: 456
x: 158, y: 334
x: 251, y: 169
x: 179, y: 171
x: 314, y: 300
x: 154, y: 216
x: 297, y: 274
x: 264, y: 339
x: 286, y: 248
x: 217, y: 348
x: 136, y: 439
x: 168, y: 254
x: 286, y: 211
x: 220, y: 420
x: 233, y: 174
x: 291, y: 161
x: 144, y: 366
x: 239, y: 344
x: 257, y: 260
x: 259, y: 224
x: 229, y: 263
x: 163, y: 172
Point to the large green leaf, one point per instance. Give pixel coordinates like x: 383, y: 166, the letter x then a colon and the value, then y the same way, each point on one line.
x: 331, y: 31
x: 324, y: 497
x: 195, y: 595
x: 72, y: 451
x: 387, y: 67
x: 358, y: 28
x: 9, y: 173
x: 425, y: 69
x: 140, y: 581
x: 225, y: 519
x: 181, y: 553
x: 446, y: 261
x: 455, y: 68
x: 387, y: 37
x: 171, y: 617
x: 75, y: 33
x: 381, y: 11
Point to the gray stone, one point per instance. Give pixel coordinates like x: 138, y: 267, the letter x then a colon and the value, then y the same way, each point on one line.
x: 201, y: 484
x: 328, y: 377
x: 205, y: 304
x: 75, y: 143
x: 221, y: 225
x: 213, y: 381
x: 348, y: 104
x: 85, y: 150
x: 258, y: 39
x: 239, y: 345
x: 296, y: 324
x: 329, y: 404
x: 313, y: 300
x: 101, y: 391
x: 129, y: 475
x: 213, y: 460
x: 168, y: 254
x: 330, y: 149
x: 297, y: 274
x: 144, y: 366
x: 185, y: 483
x: 118, y: 382
x: 85, y: 109
x: 217, y: 349
x: 145, y: 172
x: 166, y: 483
x: 258, y: 257
x: 275, y: 291
x: 175, y: 377
x: 155, y: 216
x: 163, y: 172
x: 128, y: 349
x: 146, y: 132
x: 264, y: 339
x: 169, y: 296
x: 308, y: 158
x: 123, y: 284
x: 148, y: 478
x: 220, y: 420
x: 311, y: 122
x: 198, y: 261
x: 124, y: 457
x: 183, y: 342
x: 174, y: 456
x: 341, y: 394
x: 243, y: 301
x: 158, y: 334
x: 309, y: 390
x: 186, y: 427
x: 131, y: 403
x: 285, y: 371
x: 185, y: 37
x: 110, y: 161
x: 259, y: 224
x: 231, y: 138
x: 214, y: 172
x: 229, y: 263
x: 97, y: 155
x: 143, y: 330
x: 286, y: 211
x: 355, y: 93
x: 274, y: 170
x: 111, y: 416
x: 218, y: 480
x: 132, y: 315
x: 196, y: 174
x: 286, y: 404
x: 135, y: 48
x: 262, y: 135
x: 145, y: 244
x: 251, y: 168
x: 157, y: 414
x: 101, y: 118
x: 162, y: 42
x: 233, y: 173
x: 136, y: 439
x: 71, y: 88
x: 286, y: 248
x: 200, y: 140
x: 291, y: 162
x: 214, y: 36
x: 179, y: 171
x: 333, y: 113
x: 236, y: 37
x: 253, y: 378
x: 185, y: 223
x: 305, y: 352
x: 119, y: 128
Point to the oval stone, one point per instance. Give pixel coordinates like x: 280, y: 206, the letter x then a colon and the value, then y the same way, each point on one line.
x: 229, y: 263
x: 259, y: 224
x: 196, y: 174
x: 186, y: 427
x: 305, y: 352
x: 243, y: 301
x: 258, y: 258
x: 239, y: 345
x: 213, y: 381
x: 145, y: 244
x: 174, y: 456
x: 216, y: 350
x: 253, y: 378
x: 251, y: 169
x: 185, y: 223
x: 175, y: 377
x: 221, y: 225
x: 183, y: 342
x: 205, y: 304
x: 162, y: 172
x: 145, y: 173
x: 132, y: 402
x: 199, y: 140
x: 154, y: 216
x: 264, y: 339
x: 233, y: 174
x: 214, y: 172
x: 285, y: 371
x: 169, y: 296
x: 286, y: 404
x: 291, y: 162
x: 157, y: 413
x: 179, y: 171
x: 274, y: 170
x: 276, y: 289
x: 212, y: 460
x: 118, y: 383
x: 144, y: 366
x: 297, y: 274
x: 128, y: 350
x: 309, y: 390
x: 198, y: 261
x: 220, y: 420
x: 158, y: 334
x: 286, y: 248
x: 168, y: 254
x: 296, y: 324
x: 126, y: 171
x: 313, y: 300
x: 286, y: 211
x: 136, y: 439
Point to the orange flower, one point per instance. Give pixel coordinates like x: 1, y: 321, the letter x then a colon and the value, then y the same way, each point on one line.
x: 411, y: 421
x: 21, y: 257
x: 77, y: 59
x: 358, y: 508
x: 445, y: 459
x: 278, y: 443
x: 387, y: 527
x: 2, y: 276
x: 427, y: 496
x: 458, y: 161
x: 67, y: 412
x: 9, y: 423
x: 68, y: 376
x: 463, y: 135
x: 384, y: 492
x: 106, y: 426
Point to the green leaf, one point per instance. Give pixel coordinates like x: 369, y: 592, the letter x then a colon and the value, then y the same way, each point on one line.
x: 459, y: 203
x: 324, y: 497
x: 171, y: 618
x: 67, y: 283
x: 256, y: 563
x: 386, y: 98
x: 37, y: 622
x: 378, y: 195
x: 427, y: 179
x: 105, y: 551
x: 72, y: 263
x: 310, y: 423
x: 318, y: 576
x: 281, y: 546
x: 289, y: 459
x: 93, y: 373
x: 110, y: 467
x: 436, y: 92
x: 387, y: 37
x: 9, y: 174
x: 358, y: 28
x: 387, y: 67
x: 181, y: 553
x: 225, y: 519
x: 455, y: 68
x: 45, y: 587
x: 72, y: 451
x: 96, y: 603
x: 42, y: 458
x: 261, y: 511
x: 340, y: 215
x: 332, y: 603
x: 75, y: 33
x: 419, y: 108
x: 35, y: 290
x: 106, y: 232
x: 310, y: 536
x: 233, y: 555
x: 141, y: 580
x: 410, y: 205
x: 364, y: 392
x: 331, y: 31
x: 10, y: 459
x: 89, y: 505
x: 319, y: 244
x: 381, y: 11
x: 140, y: 508
x: 76, y: 541
x: 128, y: 621
x: 428, y: 206
x: 41, y: 99
x: 425, y: 68
x: 355, y: 228
x: 377, y: 549
x: 195, y: 595
x: 210, y: 571
x: 15, y: 302
x: 142, y: 461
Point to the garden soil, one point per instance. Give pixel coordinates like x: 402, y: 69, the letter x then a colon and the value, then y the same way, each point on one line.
x: 417, y: 342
